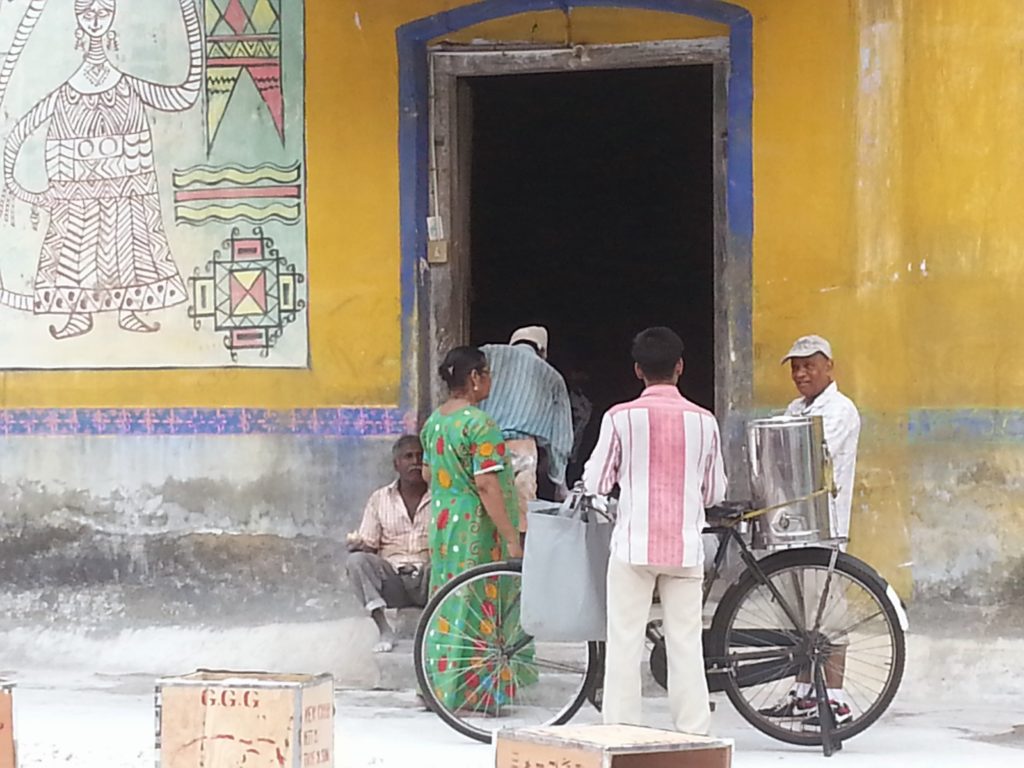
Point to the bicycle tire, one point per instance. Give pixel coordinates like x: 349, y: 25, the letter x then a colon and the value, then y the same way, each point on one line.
x: 810, y: 558
x: 509, y: 567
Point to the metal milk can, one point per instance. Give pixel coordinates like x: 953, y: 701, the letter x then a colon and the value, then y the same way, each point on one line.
x: 789, y: 465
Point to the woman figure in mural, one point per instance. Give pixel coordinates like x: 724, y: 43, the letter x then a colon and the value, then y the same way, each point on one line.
x: 105, y: 248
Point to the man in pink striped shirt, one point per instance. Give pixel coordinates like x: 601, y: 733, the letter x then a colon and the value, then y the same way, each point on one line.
x: 664, y: 453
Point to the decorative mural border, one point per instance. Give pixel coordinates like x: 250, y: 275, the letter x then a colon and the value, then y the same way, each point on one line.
x: 319, y: 422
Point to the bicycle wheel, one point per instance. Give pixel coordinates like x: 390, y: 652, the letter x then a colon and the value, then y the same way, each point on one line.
x: 479, y: 671
x: 768, y: 646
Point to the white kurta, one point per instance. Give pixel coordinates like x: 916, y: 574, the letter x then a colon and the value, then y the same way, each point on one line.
x: 841, y: 421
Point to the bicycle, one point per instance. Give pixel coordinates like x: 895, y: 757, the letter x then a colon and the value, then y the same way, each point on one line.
x: 806, y: 613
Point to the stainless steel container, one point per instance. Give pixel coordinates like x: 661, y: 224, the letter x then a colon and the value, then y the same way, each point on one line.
x: 788, y: 462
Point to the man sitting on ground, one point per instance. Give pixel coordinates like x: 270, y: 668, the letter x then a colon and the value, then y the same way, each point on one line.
x: 389, y: 564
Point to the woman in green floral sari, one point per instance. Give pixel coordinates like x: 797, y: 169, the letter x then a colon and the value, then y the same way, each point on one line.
x: 475, y: 521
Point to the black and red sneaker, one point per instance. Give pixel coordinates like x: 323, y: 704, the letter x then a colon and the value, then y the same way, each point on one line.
x: 840, y: 712
x: 791, y: 707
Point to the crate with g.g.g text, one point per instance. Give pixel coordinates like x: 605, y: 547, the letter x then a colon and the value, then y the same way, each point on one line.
x: 221, y: 719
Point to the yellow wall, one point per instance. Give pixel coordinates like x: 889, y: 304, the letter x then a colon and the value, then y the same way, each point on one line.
x: 888, y: 218
x: 354, y: 312
x: 888, y: 182
x: 588, y: 26
x: 964, y: 110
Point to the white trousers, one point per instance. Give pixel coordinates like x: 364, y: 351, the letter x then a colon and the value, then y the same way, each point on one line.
x: 630, y: 593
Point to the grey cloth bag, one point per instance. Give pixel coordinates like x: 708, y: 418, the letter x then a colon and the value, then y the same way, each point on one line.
x: 565, y: 565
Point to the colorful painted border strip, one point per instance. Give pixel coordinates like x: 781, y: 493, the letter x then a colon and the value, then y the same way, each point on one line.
x: 321, y: 422
x: 979, y: 425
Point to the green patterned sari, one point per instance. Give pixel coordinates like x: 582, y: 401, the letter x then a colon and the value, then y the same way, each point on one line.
x: 465, y: 637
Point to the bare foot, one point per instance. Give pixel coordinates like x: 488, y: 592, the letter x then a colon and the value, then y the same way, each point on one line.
x: 386, y: 644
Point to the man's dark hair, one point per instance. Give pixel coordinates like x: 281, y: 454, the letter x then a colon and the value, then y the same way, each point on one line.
x: 657, y: 350
x: 404, y: 442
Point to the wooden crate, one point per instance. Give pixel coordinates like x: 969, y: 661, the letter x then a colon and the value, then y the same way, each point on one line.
x: 225, y: 719
x: 7, y: 757
x: 608, y: 746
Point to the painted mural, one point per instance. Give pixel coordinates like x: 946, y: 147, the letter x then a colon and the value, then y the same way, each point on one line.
x: 152, y: 209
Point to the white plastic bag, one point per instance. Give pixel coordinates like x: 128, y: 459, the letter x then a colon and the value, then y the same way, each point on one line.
x: 565, y: 567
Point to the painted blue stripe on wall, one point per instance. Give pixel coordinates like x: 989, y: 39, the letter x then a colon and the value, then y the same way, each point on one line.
x: 924, y: 425
x: 966, y: 425
x: 740, y: 160
x: 322, y: 422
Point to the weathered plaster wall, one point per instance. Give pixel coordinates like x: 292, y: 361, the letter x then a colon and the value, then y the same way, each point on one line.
x: 963, y: 232
x: 181, y: 529
x: 886, y: 185
x: 917, y: 286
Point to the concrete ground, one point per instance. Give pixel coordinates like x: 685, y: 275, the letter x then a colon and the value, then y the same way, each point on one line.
x: 106, y: 721
x: 85, y: 699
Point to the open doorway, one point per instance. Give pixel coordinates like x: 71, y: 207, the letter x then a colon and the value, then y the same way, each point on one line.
x: 592, y: 213
x: 588, y: 200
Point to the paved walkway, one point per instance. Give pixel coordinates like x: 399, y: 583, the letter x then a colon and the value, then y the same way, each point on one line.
x: 107, y: 722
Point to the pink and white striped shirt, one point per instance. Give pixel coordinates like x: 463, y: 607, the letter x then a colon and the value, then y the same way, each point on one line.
x: 665, y: 454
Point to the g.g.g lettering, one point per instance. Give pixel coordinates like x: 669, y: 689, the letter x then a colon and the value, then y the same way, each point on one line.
x: 230, y: 697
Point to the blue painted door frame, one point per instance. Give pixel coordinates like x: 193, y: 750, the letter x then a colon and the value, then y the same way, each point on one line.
x: 413, y: 40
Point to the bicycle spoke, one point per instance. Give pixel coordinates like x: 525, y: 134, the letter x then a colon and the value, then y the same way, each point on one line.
x: 769, y: 610
x: 863, y: 698
x: 774, y: 623
x: 852, y: 628
x: 798, y: 588
x: 554, y: 666
x: 485, y: 672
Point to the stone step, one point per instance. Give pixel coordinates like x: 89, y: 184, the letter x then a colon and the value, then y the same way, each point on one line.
x: 404, y: 621
x: 395, y: 671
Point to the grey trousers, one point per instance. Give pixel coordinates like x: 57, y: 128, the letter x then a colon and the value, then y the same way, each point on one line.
x: 378, y: 585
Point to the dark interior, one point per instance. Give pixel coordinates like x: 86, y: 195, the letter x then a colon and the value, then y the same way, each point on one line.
x: 592, y: 213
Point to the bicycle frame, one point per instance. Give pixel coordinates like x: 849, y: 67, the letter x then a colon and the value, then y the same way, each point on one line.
x: 726, y: 664
x: 726, y: 535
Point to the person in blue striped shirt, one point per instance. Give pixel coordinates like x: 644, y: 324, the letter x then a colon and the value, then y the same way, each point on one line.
x: 530, y: 402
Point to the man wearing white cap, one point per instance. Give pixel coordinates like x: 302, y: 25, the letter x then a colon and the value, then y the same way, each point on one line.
x: 534, y: 336
x: 530, y: 402
x: 810, y: 364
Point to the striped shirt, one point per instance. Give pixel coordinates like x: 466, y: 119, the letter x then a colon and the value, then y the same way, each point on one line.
x: 529, y: 399
x: 386, y: 527
x: 665, y: 454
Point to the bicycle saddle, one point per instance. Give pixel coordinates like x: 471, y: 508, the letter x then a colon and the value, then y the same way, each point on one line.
x: 727, y: 511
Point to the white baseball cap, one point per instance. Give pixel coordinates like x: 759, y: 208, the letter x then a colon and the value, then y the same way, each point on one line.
x: 806, y: 346
x: 535, y: 334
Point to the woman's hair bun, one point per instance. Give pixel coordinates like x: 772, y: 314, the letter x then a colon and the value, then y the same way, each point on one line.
x: 459, y: 363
